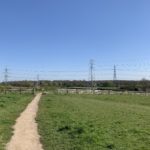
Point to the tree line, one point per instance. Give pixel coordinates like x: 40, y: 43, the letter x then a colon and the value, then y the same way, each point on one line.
x: 123, y: 85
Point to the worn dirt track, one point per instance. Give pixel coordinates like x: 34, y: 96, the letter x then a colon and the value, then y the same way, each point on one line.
x: 26, y: 135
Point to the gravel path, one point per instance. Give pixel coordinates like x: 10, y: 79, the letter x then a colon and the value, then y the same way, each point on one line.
x: 26, y: 135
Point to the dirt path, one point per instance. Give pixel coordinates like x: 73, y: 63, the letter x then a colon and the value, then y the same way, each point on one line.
x: 25, y: 130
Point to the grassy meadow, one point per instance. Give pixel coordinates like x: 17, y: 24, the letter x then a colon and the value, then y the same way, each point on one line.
x: 94, y: 122
x: 11, y: 105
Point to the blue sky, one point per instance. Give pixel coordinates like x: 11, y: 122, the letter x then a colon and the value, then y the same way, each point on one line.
x: 63, y: 35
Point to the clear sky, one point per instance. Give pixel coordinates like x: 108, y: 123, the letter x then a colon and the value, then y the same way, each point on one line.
x: 39, y: 36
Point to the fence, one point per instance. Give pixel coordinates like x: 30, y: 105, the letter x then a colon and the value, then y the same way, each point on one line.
x: 109, y: 92
x: 18, y: 90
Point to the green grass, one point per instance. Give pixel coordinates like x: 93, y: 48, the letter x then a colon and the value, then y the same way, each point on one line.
x: 11, y: 105
x: 88, y: 122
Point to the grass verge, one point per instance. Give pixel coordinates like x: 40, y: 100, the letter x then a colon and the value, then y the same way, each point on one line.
x: 11, y: 105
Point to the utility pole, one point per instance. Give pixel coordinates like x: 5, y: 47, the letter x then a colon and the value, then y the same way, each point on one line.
x: 92, y: 74
x: 115, y: 73
x: 6, y: 76
x: 37, y: 83
x: 5, y: 79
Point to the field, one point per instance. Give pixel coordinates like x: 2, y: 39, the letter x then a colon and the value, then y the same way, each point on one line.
x: 11, y: 105
x: 94, y: 122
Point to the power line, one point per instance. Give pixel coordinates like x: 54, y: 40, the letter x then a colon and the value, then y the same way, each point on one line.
x: 136, y: 70
x: 115, y: 74
x: 6, y: 75
x: 92, y: 73
x: 38, y: 77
